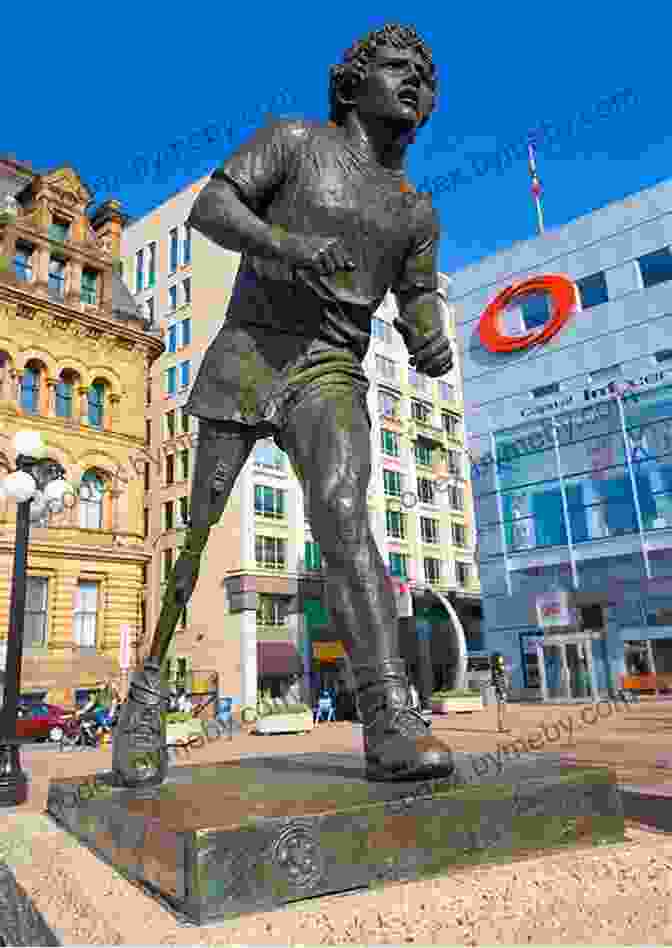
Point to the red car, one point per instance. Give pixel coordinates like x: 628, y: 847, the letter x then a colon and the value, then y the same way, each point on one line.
x: 40, y: 722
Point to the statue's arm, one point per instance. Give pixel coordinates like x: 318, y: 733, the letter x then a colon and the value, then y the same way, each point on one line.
x: 221, y: 216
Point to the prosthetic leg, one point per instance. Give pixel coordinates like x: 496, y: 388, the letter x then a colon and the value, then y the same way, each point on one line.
x: 140, y: 754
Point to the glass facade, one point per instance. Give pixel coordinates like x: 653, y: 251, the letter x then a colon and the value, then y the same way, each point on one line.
x: 523, y: 491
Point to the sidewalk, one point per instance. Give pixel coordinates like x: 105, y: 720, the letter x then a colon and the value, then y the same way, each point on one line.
x: 609, y: 895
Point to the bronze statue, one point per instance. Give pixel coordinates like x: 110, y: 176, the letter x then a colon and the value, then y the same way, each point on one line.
x: 326, y: 225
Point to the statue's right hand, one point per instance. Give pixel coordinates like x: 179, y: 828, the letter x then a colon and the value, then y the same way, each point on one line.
x: 324, y: 255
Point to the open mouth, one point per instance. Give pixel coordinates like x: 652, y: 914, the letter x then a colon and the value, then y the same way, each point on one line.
x: 408, y: 97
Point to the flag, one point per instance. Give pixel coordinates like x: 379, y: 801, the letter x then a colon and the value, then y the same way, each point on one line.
x: 536, y: 183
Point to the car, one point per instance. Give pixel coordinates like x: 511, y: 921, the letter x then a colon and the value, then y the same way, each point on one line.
x: 40, y: 721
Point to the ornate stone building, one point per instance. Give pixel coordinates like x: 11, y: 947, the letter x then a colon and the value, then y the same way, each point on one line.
x: 74, y: 356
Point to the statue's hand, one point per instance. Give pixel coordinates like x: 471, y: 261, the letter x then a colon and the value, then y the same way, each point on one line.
x: 324, y: 255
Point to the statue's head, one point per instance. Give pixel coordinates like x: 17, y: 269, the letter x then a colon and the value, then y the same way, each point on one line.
x: 376, y: 69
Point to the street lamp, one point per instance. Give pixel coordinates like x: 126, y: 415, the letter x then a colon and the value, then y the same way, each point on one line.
x: 41, y: 480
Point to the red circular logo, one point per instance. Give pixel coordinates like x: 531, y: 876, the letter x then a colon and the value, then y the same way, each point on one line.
x: 563, y: 296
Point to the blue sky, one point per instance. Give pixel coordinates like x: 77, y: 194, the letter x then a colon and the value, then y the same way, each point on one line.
x: 98, y: 86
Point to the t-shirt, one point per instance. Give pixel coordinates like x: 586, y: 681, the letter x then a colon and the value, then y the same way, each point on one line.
x: 290, y: 325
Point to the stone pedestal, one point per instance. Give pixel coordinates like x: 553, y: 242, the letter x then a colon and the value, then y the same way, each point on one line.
x: 223, y: 840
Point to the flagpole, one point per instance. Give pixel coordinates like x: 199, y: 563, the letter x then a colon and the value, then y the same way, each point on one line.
x: 536, y: 187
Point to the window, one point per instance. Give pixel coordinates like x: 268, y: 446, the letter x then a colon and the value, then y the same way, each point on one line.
x: 35, y: 621
x: 148, y: 430
x: 269, y: 501
x: 167, y: 564
x: 451, y: 424
x: 91, y: 493
x: 184, y: 510
x: 395, y: 523
x: 398, y: 565
x: 267, y: 454
x: 429, y: 530
x: 425, y: 490
x: 151, y: 278
x: 392, y: 483
x: 147, y: 475
x: 543, y: 391
x: 171, y: 380
x: 30, y: 390
x: 170, y: 424
x: 462, y: 571
x: 432, y: 569
x: 89, y: 287
x: 96, y: 409
x: 186, y: 332
x: 459, y: 532
x: 59, y: 230
x: 184, y: 416
x: 271, y: 610
x: 656, y: 267
x: 184, y: 463
x: 187, y: 244
x: 421, y: 412
x: 64, y: 396
x: 23, y: 262
x: 455, y: 497
x: 86, y: 614
x: 149, y: 310
x: 453, y: 462
x: 535, y: 310
x: 386, y: 367
x: 381, y: 330
x: 313, y: 555
x: 423, y: 453
x: 139, y: 271
x: 446, y: 392
x: 388, y: 405
x: 56, y: 278
x: 148, y: 392
x: 173, y: 250
x: 592, y: 290
x: 186, y: 293
x: 389, y: 441
x: 168, y: 511
x: 270, y: 552
x: 172, y: 338
x: 145, y: 523
x: 172, y: 298
x: 170, y: 469
x: 185, y: 373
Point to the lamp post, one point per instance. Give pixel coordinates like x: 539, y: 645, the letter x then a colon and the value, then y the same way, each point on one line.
x: 41, y: 480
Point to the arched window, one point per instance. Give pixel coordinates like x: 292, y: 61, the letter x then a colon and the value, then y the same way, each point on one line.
x: 96, y: 412
x: 91, y: 496
x: 30, y: 388
x: 64, y: 395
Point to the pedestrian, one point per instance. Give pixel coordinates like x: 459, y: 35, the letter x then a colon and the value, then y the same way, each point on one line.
x: 414, y: 697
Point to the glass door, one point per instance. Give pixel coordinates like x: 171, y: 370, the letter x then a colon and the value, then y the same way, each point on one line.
x: 553, y: 667
x: 579, y: 673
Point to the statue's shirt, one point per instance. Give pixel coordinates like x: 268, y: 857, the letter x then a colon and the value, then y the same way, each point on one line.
x: 288, y: 327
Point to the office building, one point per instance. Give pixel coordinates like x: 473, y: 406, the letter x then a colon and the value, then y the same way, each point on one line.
x: 570, y: 435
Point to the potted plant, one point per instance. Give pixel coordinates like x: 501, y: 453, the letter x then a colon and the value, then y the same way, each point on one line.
x: 457, y: 699
x: 180, y: 726
x: 280, y: 717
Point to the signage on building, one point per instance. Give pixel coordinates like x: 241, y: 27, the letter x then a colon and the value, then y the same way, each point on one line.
x: 328, y: 651
x: 563, y: 301
x: 553, y: 610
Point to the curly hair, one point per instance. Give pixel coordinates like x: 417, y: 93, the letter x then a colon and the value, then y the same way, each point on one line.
x: 346, y: 76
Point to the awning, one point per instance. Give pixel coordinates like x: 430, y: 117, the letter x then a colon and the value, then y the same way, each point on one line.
x: 278, y: 658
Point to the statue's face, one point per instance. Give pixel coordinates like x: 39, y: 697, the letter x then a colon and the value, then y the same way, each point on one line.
x: 398, y: 87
